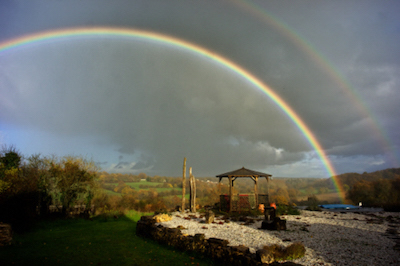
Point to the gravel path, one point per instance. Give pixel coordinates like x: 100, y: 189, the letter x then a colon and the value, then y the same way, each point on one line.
x: 330, y: 238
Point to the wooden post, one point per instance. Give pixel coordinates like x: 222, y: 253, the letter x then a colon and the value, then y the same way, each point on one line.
x: 192, y: 182
x: 230, y: 194
x: 268, y: 190
x: 183, y: 185
x: 256, y: 190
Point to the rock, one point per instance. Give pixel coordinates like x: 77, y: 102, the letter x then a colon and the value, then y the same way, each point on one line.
x: 209, y: 217
x: 280, y: 224
x: 5, y: 234
x: 218, y: 242
x: 143, y: 225
x: 160, y: 218
x: 241, y: 249
x: 265, y: 256
x: 276, y: 224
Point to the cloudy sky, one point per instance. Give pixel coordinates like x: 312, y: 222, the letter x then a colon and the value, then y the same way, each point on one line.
x: 139, y: 105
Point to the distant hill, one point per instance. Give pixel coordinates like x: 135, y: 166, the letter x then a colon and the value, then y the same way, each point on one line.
x: 349, y: 179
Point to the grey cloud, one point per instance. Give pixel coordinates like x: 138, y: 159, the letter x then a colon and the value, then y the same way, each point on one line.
x: 160, y: 102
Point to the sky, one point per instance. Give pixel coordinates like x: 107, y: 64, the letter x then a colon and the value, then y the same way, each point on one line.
x: 137, y: 105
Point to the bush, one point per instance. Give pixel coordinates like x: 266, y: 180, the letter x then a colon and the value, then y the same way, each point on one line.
x: 292, y: 252
x: 313, y: 203
x: 286, y: 210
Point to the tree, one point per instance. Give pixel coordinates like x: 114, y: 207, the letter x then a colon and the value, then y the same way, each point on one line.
x: 362, y: 191
x: 10, y: 161
x: 72, y: 179
x: 18, y: 190
x: 10, y: 157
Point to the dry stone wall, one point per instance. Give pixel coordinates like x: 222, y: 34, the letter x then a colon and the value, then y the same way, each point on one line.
x: 214, y: 248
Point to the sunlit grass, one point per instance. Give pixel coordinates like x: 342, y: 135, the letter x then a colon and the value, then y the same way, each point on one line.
x: 106, y: 240
x: 149, y: 185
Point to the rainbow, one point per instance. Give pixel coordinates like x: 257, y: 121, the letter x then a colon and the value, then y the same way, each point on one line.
x: 318, y: 59
x: 165, y: 39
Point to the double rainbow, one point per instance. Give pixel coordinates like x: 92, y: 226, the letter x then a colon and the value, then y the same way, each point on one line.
x: 165, y: 39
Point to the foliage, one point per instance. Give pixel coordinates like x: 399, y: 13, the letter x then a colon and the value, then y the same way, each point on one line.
x: 19, y: 194
x: 286, y: 210
x: 28, y: 187
x: 379, y: 193
x: 10, y: 158
x: 291, y: 252
x: 312, y: 203
x: 71, y: 180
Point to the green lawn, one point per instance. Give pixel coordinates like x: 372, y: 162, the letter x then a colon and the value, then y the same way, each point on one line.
x: 99, y: 242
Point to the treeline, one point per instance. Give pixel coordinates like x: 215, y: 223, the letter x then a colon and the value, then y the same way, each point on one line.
x: 378, y: 189
x: 28, y: 186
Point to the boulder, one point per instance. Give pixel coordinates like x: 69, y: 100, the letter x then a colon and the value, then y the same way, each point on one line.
x: 265, y: 256
x: 160, y: 218
x: 5, y: 234
x: 276, y: 224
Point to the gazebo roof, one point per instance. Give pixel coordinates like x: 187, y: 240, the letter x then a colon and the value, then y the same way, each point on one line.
x: 243, y: 172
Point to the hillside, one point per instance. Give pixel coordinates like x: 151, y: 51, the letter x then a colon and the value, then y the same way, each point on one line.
x: 349, y: 179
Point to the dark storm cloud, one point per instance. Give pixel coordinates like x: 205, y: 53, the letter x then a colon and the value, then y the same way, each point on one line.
x: 162, y: 104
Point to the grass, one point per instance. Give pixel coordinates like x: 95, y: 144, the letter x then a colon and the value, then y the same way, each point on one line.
x: 135, y: 185
x: 103, y: 241
x: 111, y: 193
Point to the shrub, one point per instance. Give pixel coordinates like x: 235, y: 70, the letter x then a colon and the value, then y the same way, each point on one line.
x: 313, y: 203
x: 292, y: 252
x: 286, y: 210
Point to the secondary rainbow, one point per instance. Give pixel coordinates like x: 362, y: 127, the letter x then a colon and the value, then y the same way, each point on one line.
x: 323, y: 63
x: 148, y: 35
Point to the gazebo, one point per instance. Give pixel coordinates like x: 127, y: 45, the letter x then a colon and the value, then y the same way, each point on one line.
x: 236, y: 202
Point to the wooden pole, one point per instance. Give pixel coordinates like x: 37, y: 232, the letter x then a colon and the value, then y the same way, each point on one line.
x: 192, y: 182
x: 256, y: 190
x: 230, y: 194
x: 183, y: 185
x: 268, y: 190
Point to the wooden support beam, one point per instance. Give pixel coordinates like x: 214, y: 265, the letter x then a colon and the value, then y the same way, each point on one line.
x: 256, y: 189
x: 268, y: 189
x: 183, y: 185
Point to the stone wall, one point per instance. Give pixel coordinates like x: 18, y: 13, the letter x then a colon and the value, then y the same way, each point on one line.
x: 216, y: 249
x: 5, y: 234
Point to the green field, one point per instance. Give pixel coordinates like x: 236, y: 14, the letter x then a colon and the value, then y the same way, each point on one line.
x: 103, y: 241
x: 135, y: 185
x: 111, y: 193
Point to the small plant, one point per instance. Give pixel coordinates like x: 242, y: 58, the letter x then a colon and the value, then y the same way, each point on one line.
x: 295, y: 251
x: 313, y: 203
x: 292, y: 252
x: 286, y: 210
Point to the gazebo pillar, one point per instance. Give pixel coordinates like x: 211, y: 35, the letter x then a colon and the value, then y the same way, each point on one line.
x: 268, y: 189
x: 256, y: 189
x: 230, y: 193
